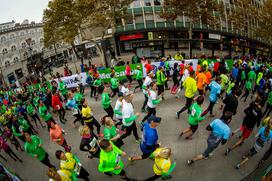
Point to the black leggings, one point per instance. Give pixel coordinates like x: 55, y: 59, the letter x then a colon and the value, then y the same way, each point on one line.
x: 267, y: 153
x: 12, y: 155
x: 245, y: 95
x: 140, y: 84
x: 150, y: 112
x: 145, y: 101
x: 210, y: 108
x: 46, y: 161
x: 268, y: 109
x: 187, y: 105
x: 129, y: 129
x: 78, y: 118
x: 94, y: 122
x: 93, y: 91
x: 35, y: 117
x: 83, y: 174
x: 129, y: 78
x: 114, y: 91
x: 61, y: 113
x: 109, y: 111
x: 154, y: 177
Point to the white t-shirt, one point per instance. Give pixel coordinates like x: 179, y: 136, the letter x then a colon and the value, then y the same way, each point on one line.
x: 127, y: 112
x: 118, y: 106
x: 147, y: 82
x: 185, y: 75
x: 124, y: 90
x: 151, y: 96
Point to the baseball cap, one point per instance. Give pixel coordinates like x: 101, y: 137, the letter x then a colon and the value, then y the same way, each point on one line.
x: 154, y: 119
x: 120, y: 94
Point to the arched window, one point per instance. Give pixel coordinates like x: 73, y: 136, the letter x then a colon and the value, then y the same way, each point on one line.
x: 25, y: 55
x: 4, y: 51
x: 15, y: 59
x: 3, y: 38
x: 13, y: 48
x: 7, y: 63
x: 23, y: 45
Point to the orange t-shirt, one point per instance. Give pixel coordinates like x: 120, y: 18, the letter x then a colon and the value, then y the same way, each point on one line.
x: 56, y: 133
x: 201, y: 80
x: 208, y: 77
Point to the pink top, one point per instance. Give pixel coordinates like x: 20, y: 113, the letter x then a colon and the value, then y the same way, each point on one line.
x: 3, y: 144
x: 128, y: 70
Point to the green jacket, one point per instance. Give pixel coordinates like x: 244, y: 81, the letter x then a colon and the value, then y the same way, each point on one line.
x: 105, y: 100
x: 195, y: 115
x: 109, y: 160
x: 160, y: 78
x: 33, y: 148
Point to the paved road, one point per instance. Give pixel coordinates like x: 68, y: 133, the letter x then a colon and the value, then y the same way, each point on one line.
x: 217, y: 167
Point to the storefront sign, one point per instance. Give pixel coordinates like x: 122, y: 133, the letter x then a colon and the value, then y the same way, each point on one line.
x: 131, y: 37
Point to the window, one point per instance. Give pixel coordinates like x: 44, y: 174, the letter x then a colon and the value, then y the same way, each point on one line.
x: 25, y: 55
x: 147, y: 2
x: 139, y: 19
x: 22, y: 33
x: 128, y: 19
x: 157, y: 2
x: 15, y: 59
x: 7, y: 63
x: 13, y: 48
x: 3, y: 38
x: 41, y: 40
x: 23, y: 45
x: 4, y: 51
x: 137, y: 4
x: 149, y: 17
x: 12, y: 36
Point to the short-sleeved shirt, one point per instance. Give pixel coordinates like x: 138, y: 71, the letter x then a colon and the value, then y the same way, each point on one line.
x: 151, y: 96
x: 201, y: 80
x: 220, y: 129
x: 262, y: 136
x: 127, y: 112
x: 150, y: 138
x: 109, y: 132
x: 118, y: 107
x: 147, y: 82
x: 224, y: 81
x: 215, y: 89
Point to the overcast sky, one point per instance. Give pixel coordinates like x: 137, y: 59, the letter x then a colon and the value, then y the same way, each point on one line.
x: 19, y: 10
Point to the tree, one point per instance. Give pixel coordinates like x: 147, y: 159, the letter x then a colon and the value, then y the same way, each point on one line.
x: 66, y: 19
x: 196, y: 11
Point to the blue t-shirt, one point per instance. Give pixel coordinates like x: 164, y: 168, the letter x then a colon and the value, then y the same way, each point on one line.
x: 150, y: 138
x: 235, y: 72
x: 215, y: 89
x: 262, y: 136
x: 220, y: 129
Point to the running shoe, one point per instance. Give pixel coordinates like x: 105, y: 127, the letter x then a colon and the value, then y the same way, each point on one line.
x: 190, y: 162
x: 177, y: 115
x: 227, y: 151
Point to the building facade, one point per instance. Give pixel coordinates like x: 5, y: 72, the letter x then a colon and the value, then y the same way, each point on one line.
x: 22, y: 50
x: 145, y: 32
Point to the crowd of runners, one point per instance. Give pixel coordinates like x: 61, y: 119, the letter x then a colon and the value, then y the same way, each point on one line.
x: 35, y: 104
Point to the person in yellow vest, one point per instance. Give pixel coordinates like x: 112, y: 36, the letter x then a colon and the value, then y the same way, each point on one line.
x: 162, y: 164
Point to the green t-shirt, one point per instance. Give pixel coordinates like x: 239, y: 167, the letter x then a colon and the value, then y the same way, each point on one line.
x: 78, y: 97
x: 44, y: 113
x: 252, y: 75
x: 243, y: 75
x: 63, y: 89
x: 23, y: 124
x: 97, y: 83
x: 160, y: 78
x: 195, y: 115
x: 105, y: 100
x: 114, y: 83
x: 139, y: 75
x: 248, y: 85
x: 109, y: 132
x: 30, y: 109
x: 32, y: 148
x: 109, y: 160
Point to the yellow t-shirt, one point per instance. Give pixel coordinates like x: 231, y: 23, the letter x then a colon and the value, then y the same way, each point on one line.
x: 190, y: 87
x: 161, y: 165
x: 64, y: 174
x: 87, y: 113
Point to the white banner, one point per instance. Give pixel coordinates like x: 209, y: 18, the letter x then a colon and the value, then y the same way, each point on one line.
x: 171, y: 63
x: 74, y: 80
